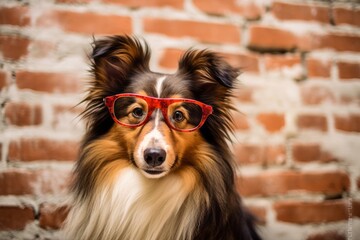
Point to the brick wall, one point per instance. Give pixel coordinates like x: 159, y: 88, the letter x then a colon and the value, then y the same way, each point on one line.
x: 298, y: 133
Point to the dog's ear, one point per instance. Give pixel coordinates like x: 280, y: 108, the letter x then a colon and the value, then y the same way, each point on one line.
x: 208, y: 71
x: 115, y: 59
x: 211, y: 80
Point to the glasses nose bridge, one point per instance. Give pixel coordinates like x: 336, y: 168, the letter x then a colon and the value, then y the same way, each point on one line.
x: 158, y: 103
x: 155, y: 103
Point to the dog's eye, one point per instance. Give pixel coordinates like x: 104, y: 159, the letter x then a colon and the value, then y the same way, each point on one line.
x: 178, y: 116
x: 138, y: 112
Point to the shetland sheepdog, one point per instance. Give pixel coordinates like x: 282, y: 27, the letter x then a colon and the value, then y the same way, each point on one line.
x: 155, y: 162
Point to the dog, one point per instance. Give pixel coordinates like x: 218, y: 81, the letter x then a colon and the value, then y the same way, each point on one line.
x: 155, y: 162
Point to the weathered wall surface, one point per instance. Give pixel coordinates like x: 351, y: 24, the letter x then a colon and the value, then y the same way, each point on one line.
x: 297, y: 138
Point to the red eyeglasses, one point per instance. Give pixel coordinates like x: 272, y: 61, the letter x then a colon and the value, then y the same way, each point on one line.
x: 134, y: 110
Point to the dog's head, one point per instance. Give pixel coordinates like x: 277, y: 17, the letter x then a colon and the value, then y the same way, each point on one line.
x: 155, y: 121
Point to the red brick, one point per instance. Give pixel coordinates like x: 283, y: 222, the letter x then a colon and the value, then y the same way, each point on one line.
x: 23, y: 114
x: 17, y: 16
x: 312, y: 121
x: 311, y: 212
x: 52, y: 216
x: 317, y: 94
x: 34, y: 182
x: 245, y: 94
x: 148, y: 3
x: 259, y: 213
x: 339, y: 42
x: 310, y: 152
x: 308, y: 41
x: 346, y: 16
x: 247, y: 154
x: 202, y: 31
x: 170, y: 58
x: 40, y: 149
x: 246, y: 62
x: 240, y: 121
x: 3, y: 79
x: 348, y: 70
x: 336, y: 41
x: 248, y: 10
x: 280, y: 40
x: 13, y: 47
x: 306, y: 12
x: 275, y: 183
x: 272, y: 122
x: 17, y: 182
x: 276, y: 62
x: 330, y: 235
x: 86, y: 22
x: 53, y: 82
x: 318, y: 68
x: 15, y: 218
x: 349, y: 123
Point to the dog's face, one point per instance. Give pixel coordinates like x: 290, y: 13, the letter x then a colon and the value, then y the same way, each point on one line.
x: 161, y: 144
x: 156, y: 147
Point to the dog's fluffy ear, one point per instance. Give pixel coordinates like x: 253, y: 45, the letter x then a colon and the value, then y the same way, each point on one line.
x: 206, y: 68
x: 212, y: 81
x: 116, y: 58
x: 113, y: 61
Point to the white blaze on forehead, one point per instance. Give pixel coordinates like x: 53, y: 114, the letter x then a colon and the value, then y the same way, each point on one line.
x: 154, y: 139
x: 159, y: 84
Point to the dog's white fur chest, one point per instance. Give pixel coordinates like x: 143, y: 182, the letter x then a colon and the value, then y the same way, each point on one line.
x: 136, y: 207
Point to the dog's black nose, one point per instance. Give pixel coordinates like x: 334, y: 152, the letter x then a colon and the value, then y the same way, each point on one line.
x: 154, y: 156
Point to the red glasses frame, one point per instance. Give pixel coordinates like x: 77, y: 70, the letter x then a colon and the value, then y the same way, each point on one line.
x: 158, y: 103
